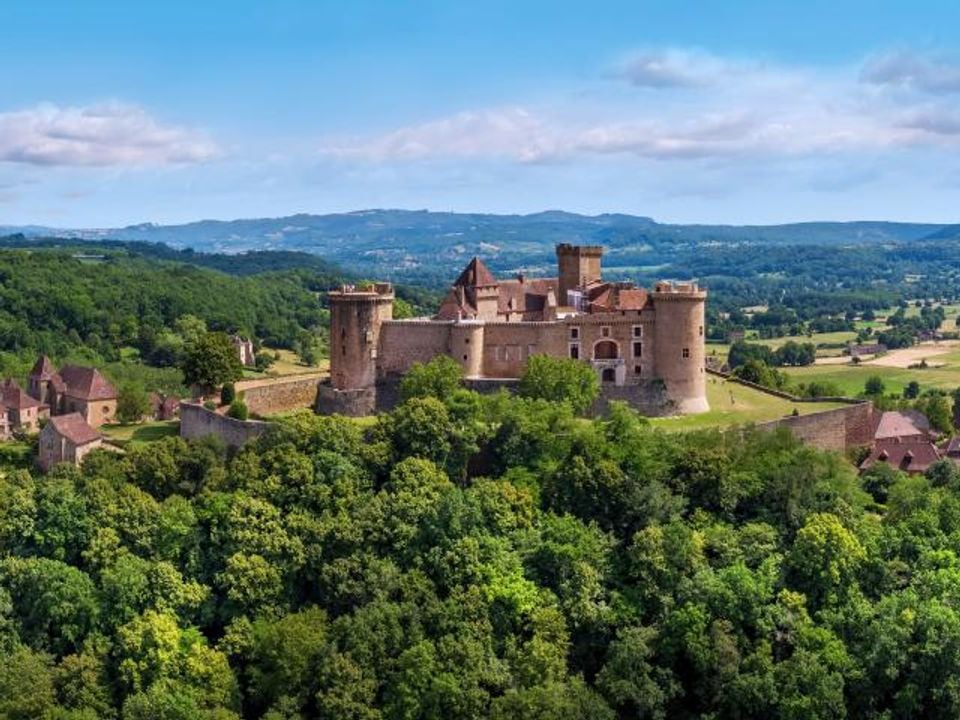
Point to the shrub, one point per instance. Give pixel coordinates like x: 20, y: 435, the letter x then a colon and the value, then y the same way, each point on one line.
x: 238, y: 410
x: 228, y: 393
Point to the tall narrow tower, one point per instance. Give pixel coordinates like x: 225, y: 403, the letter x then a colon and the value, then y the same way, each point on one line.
x: 578, y: 266
x: 356, y: 315
x: 678, y: 348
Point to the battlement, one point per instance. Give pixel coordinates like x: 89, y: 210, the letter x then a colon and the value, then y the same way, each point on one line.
x: 669, y: 289
x: 363, y: 292
x: 580, y: 250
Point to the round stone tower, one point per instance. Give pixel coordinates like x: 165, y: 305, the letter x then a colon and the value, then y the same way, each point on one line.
x: 679, y: 354
x: 356, y: 315
x: 466, y: 346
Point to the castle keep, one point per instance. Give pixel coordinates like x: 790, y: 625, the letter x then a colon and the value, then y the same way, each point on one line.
x: 647, y: 347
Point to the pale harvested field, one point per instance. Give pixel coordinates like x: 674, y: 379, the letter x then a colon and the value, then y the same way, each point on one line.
x: 905, y: 357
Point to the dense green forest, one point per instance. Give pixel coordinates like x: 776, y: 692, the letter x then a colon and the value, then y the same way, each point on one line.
x: 89, y: 301
x: 479, y: 557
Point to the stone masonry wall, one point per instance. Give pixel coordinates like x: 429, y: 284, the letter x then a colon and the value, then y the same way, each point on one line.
x: 271, y: 397
x: 404, y: 342
x: 197, y: 422
x: 838, y: 429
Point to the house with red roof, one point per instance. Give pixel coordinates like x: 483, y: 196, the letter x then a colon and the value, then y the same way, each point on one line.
x: 73, y: 389
x: 19, y: 410
x: 66, y: 439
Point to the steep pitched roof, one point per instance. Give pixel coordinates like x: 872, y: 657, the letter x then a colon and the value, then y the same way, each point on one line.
x: 43, y: 368
x: 910, y: 456
x: 475, y: 274
x: 14, y: 398
x: 901, y: 424
x: 86, y: 383
x: 74, y: 428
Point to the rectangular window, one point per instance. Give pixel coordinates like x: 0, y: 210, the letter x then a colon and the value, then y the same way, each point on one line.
x: 575, y: 351
x: 637, y: 369
x: 605, y: 332
x: 701, y: 331
x: 638, y: 331
x: 686, y: 353
x: 574, y: 333
x: 638, y: 349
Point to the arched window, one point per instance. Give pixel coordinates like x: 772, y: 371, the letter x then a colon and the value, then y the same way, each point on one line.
x: 606, y: 350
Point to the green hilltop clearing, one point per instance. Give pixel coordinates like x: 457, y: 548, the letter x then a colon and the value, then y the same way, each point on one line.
x: 734, y: 404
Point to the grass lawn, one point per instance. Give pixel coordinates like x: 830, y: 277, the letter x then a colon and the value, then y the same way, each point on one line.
x: 288, y: 364
x: 141, y: 433
x: 735, y: 404
x: 830, y: 338
x: 851, y: 378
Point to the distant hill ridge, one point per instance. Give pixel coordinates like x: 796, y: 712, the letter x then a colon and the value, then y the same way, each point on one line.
x: 403, y: 243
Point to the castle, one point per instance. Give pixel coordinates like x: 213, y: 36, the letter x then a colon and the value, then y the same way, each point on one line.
x: 647, y: 347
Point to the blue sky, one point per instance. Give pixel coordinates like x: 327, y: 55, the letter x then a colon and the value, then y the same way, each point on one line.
x: 713, y: 111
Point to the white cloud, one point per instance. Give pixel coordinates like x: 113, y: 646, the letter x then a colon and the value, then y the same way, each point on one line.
x: 111, y: 134
x: 936, y: 120
x: 706, y: 107
x: 506, y: 132
x: 673, y: 68
x: 937, y: 74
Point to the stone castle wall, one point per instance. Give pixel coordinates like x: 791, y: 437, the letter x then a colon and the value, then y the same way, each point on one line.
x: 404, y: 342
x: 838, y: 429
x: 278, y: 396
x: 197, y: 422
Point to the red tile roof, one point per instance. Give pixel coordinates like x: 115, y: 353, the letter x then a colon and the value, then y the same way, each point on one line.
x: 476, y: 274
x: 902, y: 424
x: 43, y: 368
x: 912, y: 456
x: 74, y: 428
x: 86, y: 383
x: 14, y: 398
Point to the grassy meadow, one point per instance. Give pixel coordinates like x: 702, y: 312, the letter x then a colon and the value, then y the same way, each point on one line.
x: 735, y: 404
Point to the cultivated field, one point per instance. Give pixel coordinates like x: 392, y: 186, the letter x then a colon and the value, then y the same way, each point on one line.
x: 943, y: 373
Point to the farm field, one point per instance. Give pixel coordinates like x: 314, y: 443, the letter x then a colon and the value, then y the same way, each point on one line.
x: 851, y: 378
x: 735, y: 404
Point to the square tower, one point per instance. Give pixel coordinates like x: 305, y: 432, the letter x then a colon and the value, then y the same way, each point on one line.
x: 577, y: 267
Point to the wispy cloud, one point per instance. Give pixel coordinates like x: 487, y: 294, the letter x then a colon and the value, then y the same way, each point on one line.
x: 673, y: 68
x: 706, y: 107
x: 930, y: 73
x: 111, y: 134
x: 501, y: 132
x: 935, y: 120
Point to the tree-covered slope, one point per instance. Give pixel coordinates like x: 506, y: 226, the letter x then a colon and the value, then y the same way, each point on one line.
x: 482, y: 557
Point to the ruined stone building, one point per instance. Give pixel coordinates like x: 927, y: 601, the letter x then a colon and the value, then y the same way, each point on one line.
x: 647, y: 346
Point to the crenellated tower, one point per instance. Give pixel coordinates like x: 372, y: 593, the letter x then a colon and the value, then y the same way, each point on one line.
x: 679, y: 344
x: 577, y: 267
x: 356, y: 315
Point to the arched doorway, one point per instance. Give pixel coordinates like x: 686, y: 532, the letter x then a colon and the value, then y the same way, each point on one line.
x: 606, y: 350
x: 608, y: 375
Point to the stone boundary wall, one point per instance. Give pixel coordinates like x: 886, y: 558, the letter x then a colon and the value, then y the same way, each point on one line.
x: 197, y: 422
x: 650, y: 397
x: 729, y: 377
x: 271, y: 397
x: 839, y: 429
